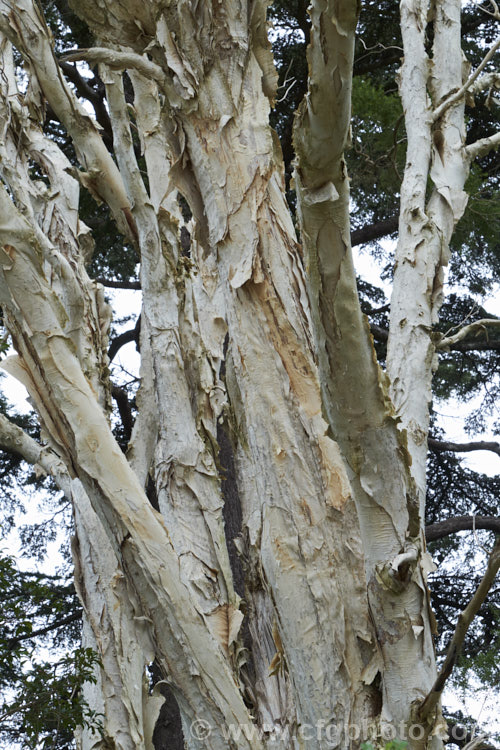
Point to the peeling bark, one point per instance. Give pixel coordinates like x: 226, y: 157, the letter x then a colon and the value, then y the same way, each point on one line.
x: 324, y: 618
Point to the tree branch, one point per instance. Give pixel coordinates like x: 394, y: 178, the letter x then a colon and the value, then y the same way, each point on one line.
x: 375, y: 231
x: 366, y: 63
x: 15, y: 440
x: 455, y: 97
x: 448, y: 341
x: 87, y: 92
x: 124, y: 338
x: 118, y: 61
x: 123, y: 404
x: 488, y: 81
x: 464, y: 620
x: 483, y: 146
x: 441, y: 446
x: 476, y: 346
x: 379, y: 333
x: 382, y: 334
x: 442, y: 529
x: 43, y: 631
x: 112, y: 284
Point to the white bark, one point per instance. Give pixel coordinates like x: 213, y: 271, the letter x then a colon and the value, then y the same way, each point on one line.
x: 355, y: 392
x: 332, y: 541
x: 436, y: 140
x: 22, y: 22
x: 112, y: 621
x: 43, y: 324
x: 116, y: 628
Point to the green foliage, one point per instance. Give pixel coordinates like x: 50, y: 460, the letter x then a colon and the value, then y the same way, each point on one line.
x: 51, y: 705
x: 376, y: 158
x: 42, y: 701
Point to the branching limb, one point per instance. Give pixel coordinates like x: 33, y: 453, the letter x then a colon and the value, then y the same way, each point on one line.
x: 479, y: 325
x: 442, y: 529
x: 457, y: 95
x: 15, y: 440
x: 118, y: 61
x: 94, y: 97
x: 382, y: 334
x: 483, y: 146
x: 441, y: 446
x: 476, y: 346
x: 464, y: 620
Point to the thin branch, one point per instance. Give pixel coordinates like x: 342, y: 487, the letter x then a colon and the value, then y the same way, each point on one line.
x: 382, y: 334
x: 483, y: 146
x: 464, y: 620
x: 112, y: 284
x: 366, y: 64
x: 495, y: 13
x: 43, y: 631
x: 375, y: 231
x: 441, y: 446
x: 442, y: 529
x: 476, y: 346
x: 87, y: 92
x: 124, y: 338
x: 448, y: 341
x: 478, y: 743
x: 455, y: 97
x: 377, y: 310
x: 118, y: 61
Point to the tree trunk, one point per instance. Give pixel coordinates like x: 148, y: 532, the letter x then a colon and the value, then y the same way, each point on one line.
x: 320, y: 634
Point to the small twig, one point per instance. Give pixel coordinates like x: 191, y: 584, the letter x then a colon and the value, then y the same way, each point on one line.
x: 282, y: 99
x: 285, y: 78
x: 463, y: 321
x: 496, y: 12
x: 395, y: 143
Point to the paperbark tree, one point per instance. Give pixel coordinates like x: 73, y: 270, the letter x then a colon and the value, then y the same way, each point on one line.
x: 331, y: 637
